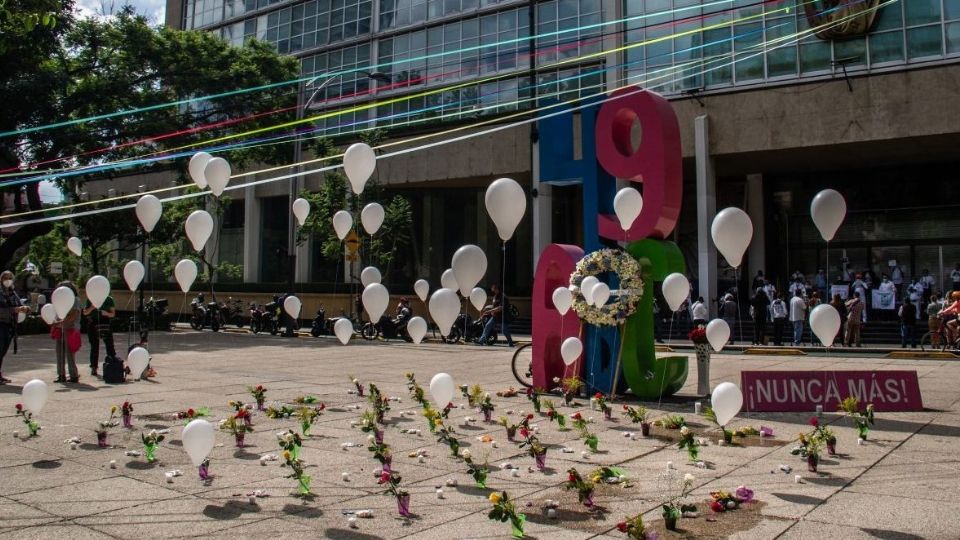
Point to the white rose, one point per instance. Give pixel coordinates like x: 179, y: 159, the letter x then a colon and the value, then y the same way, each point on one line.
x: 688, y: 478
x: 465, y: 454
x: 371, y: 438
x: 684, y: 430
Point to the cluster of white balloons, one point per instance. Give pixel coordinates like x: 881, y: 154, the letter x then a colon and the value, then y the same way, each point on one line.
x: 211, y: 172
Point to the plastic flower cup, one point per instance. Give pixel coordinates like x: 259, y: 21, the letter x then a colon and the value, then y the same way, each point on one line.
x: 487, y: 416
x: 102, y: 439
x: 303, y: 484
x: 481, y: 479
x: 378, y: 435
x: 541, y: 460
x: 295, y: 452
x: 812, y: 462
x: 511, y: 433
x: 387, y: 462
x: 204, y: 470
x: 516, y: 524
x: 260, y: 406
x: 645, y: 429
x: 592, y: 443
x: 305, y: 428
x: 608, y: 413
x: 248, y: 421
x: 127, y: 421
x: 588, y: 500
x: 239, y: 439
x: 693, y: 453
x: 832, y: 446
x: 403, y: 505
x: 150, y: 451
x: 863, y: 431
x: 33, y: 427
x: 379, y: 416
x: 727, y: 436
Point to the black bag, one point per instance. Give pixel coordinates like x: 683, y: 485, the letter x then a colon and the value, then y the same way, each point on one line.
x: 113, y: 371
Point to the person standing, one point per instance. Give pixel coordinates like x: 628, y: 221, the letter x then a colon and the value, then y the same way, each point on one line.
x: 500, y: 317
x: 760, y: 305
x: 698, y: 311
x: 841, y: 308
x: 98, y: 327
x: 70, y: 325
x: 10, y: 307
x: 955, y: 277
x: 821, y: 283
x: 728, y: 311
x: 908, y: 324
x: 813, y: 302
x: 798, y: 313
x: 758, y: 280
x: 933, y: 319
x: 778, y: 309
x: 854, y: 319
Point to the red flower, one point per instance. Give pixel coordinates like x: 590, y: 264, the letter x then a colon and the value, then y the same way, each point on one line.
x: 717, y: 506
x: 384, y: 478
x: 626, y: 408
x: 551, y: 414
x: 598, y: 395
x: 259, y: 388
x: 524, y: 432
x: 190, y: 413
x: 242, y: 413
x: 529, y: 417
x: 576, y: 416
x: 814, y: 422
x: 622, y: 526
x: 322, y: 407
x: 571, y: 478
x: 19, y: 406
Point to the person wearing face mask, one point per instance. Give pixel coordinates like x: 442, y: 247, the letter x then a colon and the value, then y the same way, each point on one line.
x: 98, y: 327
x: 10, y: 306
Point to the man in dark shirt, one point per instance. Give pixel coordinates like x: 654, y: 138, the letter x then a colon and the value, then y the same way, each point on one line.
x: 500, y: 317
x: 760, y: 304
x: 98, y: 327
x: 908, y: 324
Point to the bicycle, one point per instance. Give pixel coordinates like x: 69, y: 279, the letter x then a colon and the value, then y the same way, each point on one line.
x: 522, y: 365
x: 942, y: 343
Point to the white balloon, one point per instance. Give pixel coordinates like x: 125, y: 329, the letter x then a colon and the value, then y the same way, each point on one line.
x: 586, y: 288
x: 442, y: 389
x: 133, y: 273
x: 478, y: 298
x: 34, y: 395
x: 186, y: 273
x: 75, y: 246
x: 359, y: 162
x: 627, y: 205
x: 562, y: 299
x: 343, y: 329
x: 422, y: 288
x: 375, y: 299
x: 342, y: 223
x: 198, y: 440
x: 444, y: 308
x: 571, y: 349
x: 217, y: 173
x: 137, y: 359
x: 370, y: 275
x: 732, y: 231
x: 48, y: 313
x: 448, y: 280
x: 301, y: 210
x: 676, y: 289
x: 828, y: 210
x: 469, y: 266
x: 417, y: 328
x: 63, y: 300
x: 292, y: 305
x: 371, y: 217
x: 726, y: 401
x: 825, y: 323
x: 506, y: 203
x: 600, y: 294
x: 718, y: 333
x: 149, y: 208
x: 199, y: 227
x: 97, y: 289
x: 198, y: 162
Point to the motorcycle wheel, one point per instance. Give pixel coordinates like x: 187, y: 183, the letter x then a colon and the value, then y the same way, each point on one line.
x: 315, y: 332
x: 255, y: 327
x: 215, y: 324
x: 196, y: 324
x: 369, y: 331
x: 274, y: 328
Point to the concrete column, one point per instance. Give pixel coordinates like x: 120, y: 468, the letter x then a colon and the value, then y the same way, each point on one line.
x: 304, y: 252
x: 542, y: 209
x: 706, y: 210
x: 251, y: 235
x: 757, y: 251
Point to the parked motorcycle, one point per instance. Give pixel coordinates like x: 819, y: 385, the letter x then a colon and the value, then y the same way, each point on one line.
x: 198, y: 317
x: 270, y: 321
x: 258, y: 319
x: 232, y: 311
x: 321, y: 326
x: 386, y: 328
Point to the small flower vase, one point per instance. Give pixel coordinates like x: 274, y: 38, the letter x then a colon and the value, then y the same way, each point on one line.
x: 541, y: 460
x: 239, y: 439
x: 403, y: 505
x: 516, y: 524
x: 305, y: 428
x: 487, y: 416
x: 248, y: 421
x: 260, y: 406
x: 387, y: 464
x: 150, y: 451
x: 33, y: 427
x: 567, y: 398
x: 608, y: 413
x: 295, y: 451
x: 127, y: 421
x: 670, y: 523
x: 303, y: 484
x: 812, y: 462
x: 863, y: 430
x: 378, y: 436
x: 511, y: 433
x: 592, y: 443
x: 703, y: 368
x: 102, y: 439
x: 693, y: 453
x: 204, y: 470
x: 536, y: 406
x: 588, y: 500
x: 481, y: 479
x: 832, y: 446
x: 359, y: 390
x: 562, y: 422
x: 379, y: 415
x: 727, y: 436
x: 645, y: 429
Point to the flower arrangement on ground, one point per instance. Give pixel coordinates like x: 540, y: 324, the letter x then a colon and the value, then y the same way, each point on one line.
x: 862, y: 417
x: 368, y: 424
x: 825, y: 434
x: 296, y: 466
x: 191, y: 414
x: 511, y: 428
x: 535, y: 448
x: 307, y: 416
x: 126, y: 414
x: 237, y: 426
x: 478, y: 471
x: 633, y: 527
x: 604, y: 474
x: 356, y: 384
x: 278, y: 411
x: 584, y: 488
x: 724, y: 500
x: 290, y: 441
x: 151, y: 441
x: 33, y: 427
x: 487, y: 408
x: 671, y: 421
x: 554, y: 415
x: 259, y: 394
x: 433, y: 418
x: 809, y: 447
x: 638, y: 415
x: 581, y: 423
x: 688, y: 441
x: 569, y: 388
x: 673, y: 507
x: 305, y: 400
x: 504, y: 511
x: 602, y: 404
x: 379, y: 402
x: 474, y: 395
x: 103, y: 427
x: 446, y: 437
x: 416, y: 392
x: 381, y: 452
x: 392, y: 481
x: 533, y: 394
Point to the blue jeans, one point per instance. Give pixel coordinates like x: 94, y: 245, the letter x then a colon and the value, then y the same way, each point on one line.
x: 492, y: 325
x: 908, y: 332
x: 797, y: 332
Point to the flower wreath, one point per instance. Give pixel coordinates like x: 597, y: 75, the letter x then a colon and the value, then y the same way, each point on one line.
x: 631, y: 287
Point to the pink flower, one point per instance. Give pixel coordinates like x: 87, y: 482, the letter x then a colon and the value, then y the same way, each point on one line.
x: 744, y: 494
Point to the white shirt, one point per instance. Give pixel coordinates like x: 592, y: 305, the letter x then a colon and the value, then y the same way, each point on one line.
x: 887, y: 286
x: 779, y: 309
x: 798, y: 309
x: 699, y: 311
x: 955, y: 276
x: 927, y: 282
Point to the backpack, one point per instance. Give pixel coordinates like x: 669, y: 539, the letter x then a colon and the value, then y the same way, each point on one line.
x: 113, y: 370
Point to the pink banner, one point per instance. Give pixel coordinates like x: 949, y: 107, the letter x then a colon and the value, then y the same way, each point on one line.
x: 802, y: 391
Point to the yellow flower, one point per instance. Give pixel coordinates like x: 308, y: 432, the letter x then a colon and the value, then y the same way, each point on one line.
x: 286, y: 455
x: 596, y: 479
x: 113, y: 409
x: 495, y: 498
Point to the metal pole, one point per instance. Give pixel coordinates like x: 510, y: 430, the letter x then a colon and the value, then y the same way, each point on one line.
x: 294, y: 185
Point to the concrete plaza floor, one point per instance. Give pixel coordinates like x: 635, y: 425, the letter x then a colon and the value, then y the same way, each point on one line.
x: 903, y: 483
